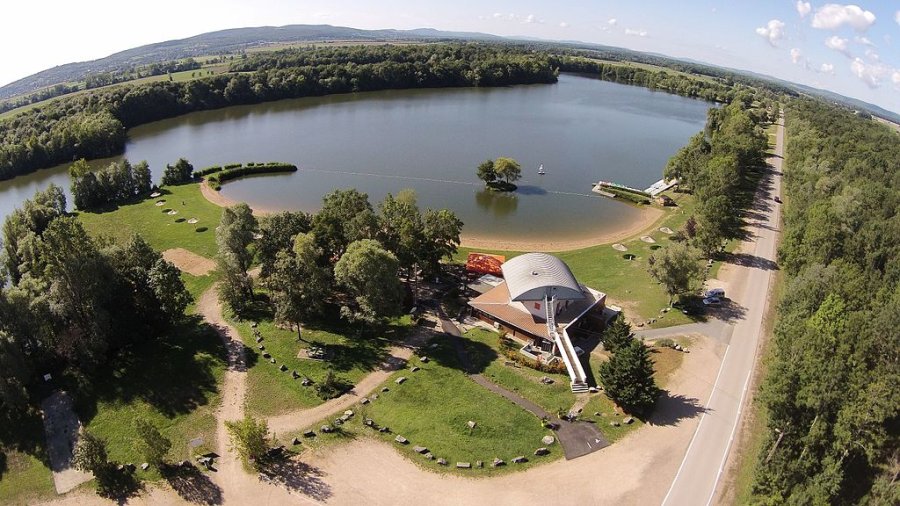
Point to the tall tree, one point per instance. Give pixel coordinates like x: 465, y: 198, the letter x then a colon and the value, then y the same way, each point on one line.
x: 233, y: 237
x: 677, y: 267
x: 346, y: 216
x: 442, y: 231
x: 298, y: 284
x: 277, y: 232
x: 627, y: 378
x: 618, y: 335
x: 369, y: 272
x: 181, y: 172
x: 486, y: 171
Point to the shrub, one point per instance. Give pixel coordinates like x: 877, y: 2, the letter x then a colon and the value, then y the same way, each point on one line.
x: 510, y: 350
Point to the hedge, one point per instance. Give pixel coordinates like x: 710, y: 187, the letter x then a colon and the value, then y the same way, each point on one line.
x: 237, y: 171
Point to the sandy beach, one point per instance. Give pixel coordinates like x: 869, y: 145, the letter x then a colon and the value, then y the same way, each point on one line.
x: 648, y: 217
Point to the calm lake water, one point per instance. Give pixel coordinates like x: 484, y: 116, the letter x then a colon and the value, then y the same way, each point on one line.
x: 581, y: 129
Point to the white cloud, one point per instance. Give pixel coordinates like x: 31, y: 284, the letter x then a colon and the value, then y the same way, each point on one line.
x: 869, y: 73
x: 827, y: 68
x: 612, y: 22
x: 895, y: 78
x: 872, y: 55
x: 863, y: 40
x: 803, y: 8
x: 497, y: 15
x: 530, y: 18
x: 773, y: 31
x: 837, y: 43
x: 796, y: 55
x: 636, y: 33
x: 831, y: 16
x: 563, y: 24
x: 897, y: 17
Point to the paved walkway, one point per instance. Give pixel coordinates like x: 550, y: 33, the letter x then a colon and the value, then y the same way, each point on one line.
x: 61, y: 426
x: 715, y: 329
x: 577, y: 438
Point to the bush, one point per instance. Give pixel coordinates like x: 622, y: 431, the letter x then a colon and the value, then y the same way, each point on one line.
x: 665, y: 343
x: 235, y: 171
x: 510, y: 350
x: 332, y: 386
x: 208, y: 170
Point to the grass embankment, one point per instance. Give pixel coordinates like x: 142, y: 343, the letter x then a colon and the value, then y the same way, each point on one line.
x: 432, y: 408
x: 273, y: 392
x: 161, y: 230
x: 622, y: 275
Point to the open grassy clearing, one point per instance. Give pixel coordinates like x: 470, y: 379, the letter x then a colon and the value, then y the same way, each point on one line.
x: 272, y: 392
x: 25, y: 476
x: 431, y: 409
x: 626, y: 282
x: 483, y: 348
x: 161, y: 230
x: 172, y: 381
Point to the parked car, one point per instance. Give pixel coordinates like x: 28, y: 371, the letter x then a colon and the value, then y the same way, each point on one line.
x: 712, y: 301
x: 579, y: 351
x: 714, y: 292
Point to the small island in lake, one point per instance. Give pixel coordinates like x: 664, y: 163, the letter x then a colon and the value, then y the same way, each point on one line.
x: 498, y: 175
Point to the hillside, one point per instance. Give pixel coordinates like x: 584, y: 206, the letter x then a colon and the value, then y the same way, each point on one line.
x: 222, y: 41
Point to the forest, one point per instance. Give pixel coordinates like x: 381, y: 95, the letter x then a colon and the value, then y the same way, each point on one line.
x: 830, y: 394
x: 94, y: 125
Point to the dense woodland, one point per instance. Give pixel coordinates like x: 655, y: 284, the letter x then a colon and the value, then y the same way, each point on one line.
x: 69, y: 301
x: 831, y: 391
x: 93, y: 125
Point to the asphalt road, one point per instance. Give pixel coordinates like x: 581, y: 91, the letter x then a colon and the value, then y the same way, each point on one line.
x: 696, y: 480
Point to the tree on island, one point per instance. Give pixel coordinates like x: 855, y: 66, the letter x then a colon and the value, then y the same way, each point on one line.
x: 486, y: 171
x: 508, y: 169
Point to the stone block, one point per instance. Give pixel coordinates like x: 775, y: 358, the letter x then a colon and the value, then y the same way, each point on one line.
x: 402, y: 440
x: 420, y: 449
x: 497, y: 463
x: 400, y: 380
x: 541, y: 452
x: 309, y: 433
x: 519, y: 460
x: 470, y: 424
x: 442, y: 461
x: 463, y: 465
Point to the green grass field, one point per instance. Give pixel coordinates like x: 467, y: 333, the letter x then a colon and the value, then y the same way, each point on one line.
x: 484, y: 350
x: 172, y: 381
x: 431, y: 409
x: 158, y: 228
x: 272, y: 392
x: 25, y: 476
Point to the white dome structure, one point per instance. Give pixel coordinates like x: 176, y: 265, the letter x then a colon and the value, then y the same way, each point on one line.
x: 535, y: 276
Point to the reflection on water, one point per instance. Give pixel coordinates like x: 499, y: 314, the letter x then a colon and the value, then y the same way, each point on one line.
x: 581, y: 130
x: 499, y: 204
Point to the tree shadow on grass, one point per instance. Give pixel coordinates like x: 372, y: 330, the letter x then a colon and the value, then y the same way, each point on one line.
x: 297, y: 476
x: 192, y: 485
x: 118, y: 483
x: 174, y: 373
x: 671, y: 409
x: 462, y: 353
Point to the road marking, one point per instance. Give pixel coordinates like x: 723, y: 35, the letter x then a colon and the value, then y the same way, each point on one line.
x: 697, y: 430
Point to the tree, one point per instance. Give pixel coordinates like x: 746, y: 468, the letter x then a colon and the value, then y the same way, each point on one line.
x: 13, y: 375
x: 486, y: 171
x: 346, y: 216
x: 250, y: 437
x: 369, y: 272
x: 277, y: 232
x: 181, y: 172
x: 400, y: 229
x: 89, y: 454
x: 298, y: 285
x: 142, y: 178
x: 233, y: 237
x: 171, y: 294
x: 151, y: 443
x: 508, y: 169
x: 676, y: 267
x: 617, y: 335
x: 627, y: 378
x: 442, y: 230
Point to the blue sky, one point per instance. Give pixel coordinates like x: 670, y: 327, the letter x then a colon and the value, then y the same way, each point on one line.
x: 853, y: 49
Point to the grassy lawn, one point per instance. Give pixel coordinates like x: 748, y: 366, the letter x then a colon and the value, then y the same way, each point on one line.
x: 484, y: 350
x: 172, y: 381
x: 158, y: 228
x: 272, y: 392
x: 25, y: 476
x: 431, y: 409
x: 626, y: 282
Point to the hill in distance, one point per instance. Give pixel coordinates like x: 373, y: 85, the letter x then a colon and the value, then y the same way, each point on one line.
x: 238, y: 39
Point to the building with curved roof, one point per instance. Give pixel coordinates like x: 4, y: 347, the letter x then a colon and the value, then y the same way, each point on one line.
x: 543, y: 306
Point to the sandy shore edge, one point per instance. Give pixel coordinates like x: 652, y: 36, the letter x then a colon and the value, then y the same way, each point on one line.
x: 647, y: 219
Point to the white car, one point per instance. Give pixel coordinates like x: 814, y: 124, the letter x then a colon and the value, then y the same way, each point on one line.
x: 718, y: 293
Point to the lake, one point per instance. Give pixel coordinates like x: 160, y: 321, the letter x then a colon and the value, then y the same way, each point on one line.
x: 581, y: 129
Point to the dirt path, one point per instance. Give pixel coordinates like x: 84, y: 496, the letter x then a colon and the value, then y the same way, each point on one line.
x: 305, y: 417
x: 189, y: 262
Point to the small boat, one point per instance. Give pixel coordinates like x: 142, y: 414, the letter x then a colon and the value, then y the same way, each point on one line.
x: 541, y: 170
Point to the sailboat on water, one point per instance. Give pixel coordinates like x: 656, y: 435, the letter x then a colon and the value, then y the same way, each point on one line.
x: 541, y: 170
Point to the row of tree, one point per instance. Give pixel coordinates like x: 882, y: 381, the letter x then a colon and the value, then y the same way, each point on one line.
x: 116, y: 183
x: 627, y: 377
x: 72, y: 300
x: 831, y: 390
x: 93, y: 124
x: 347, y: 254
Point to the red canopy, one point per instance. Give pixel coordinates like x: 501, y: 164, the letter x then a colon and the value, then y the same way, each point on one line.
x: 484, y: 263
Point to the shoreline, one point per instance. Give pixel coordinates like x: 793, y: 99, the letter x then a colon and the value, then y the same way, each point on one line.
x: 648, y: 217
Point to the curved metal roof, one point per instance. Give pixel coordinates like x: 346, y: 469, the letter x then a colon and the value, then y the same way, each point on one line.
x: 533, y: 276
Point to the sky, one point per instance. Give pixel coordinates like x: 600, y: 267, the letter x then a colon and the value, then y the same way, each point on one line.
x: 852, y: 49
